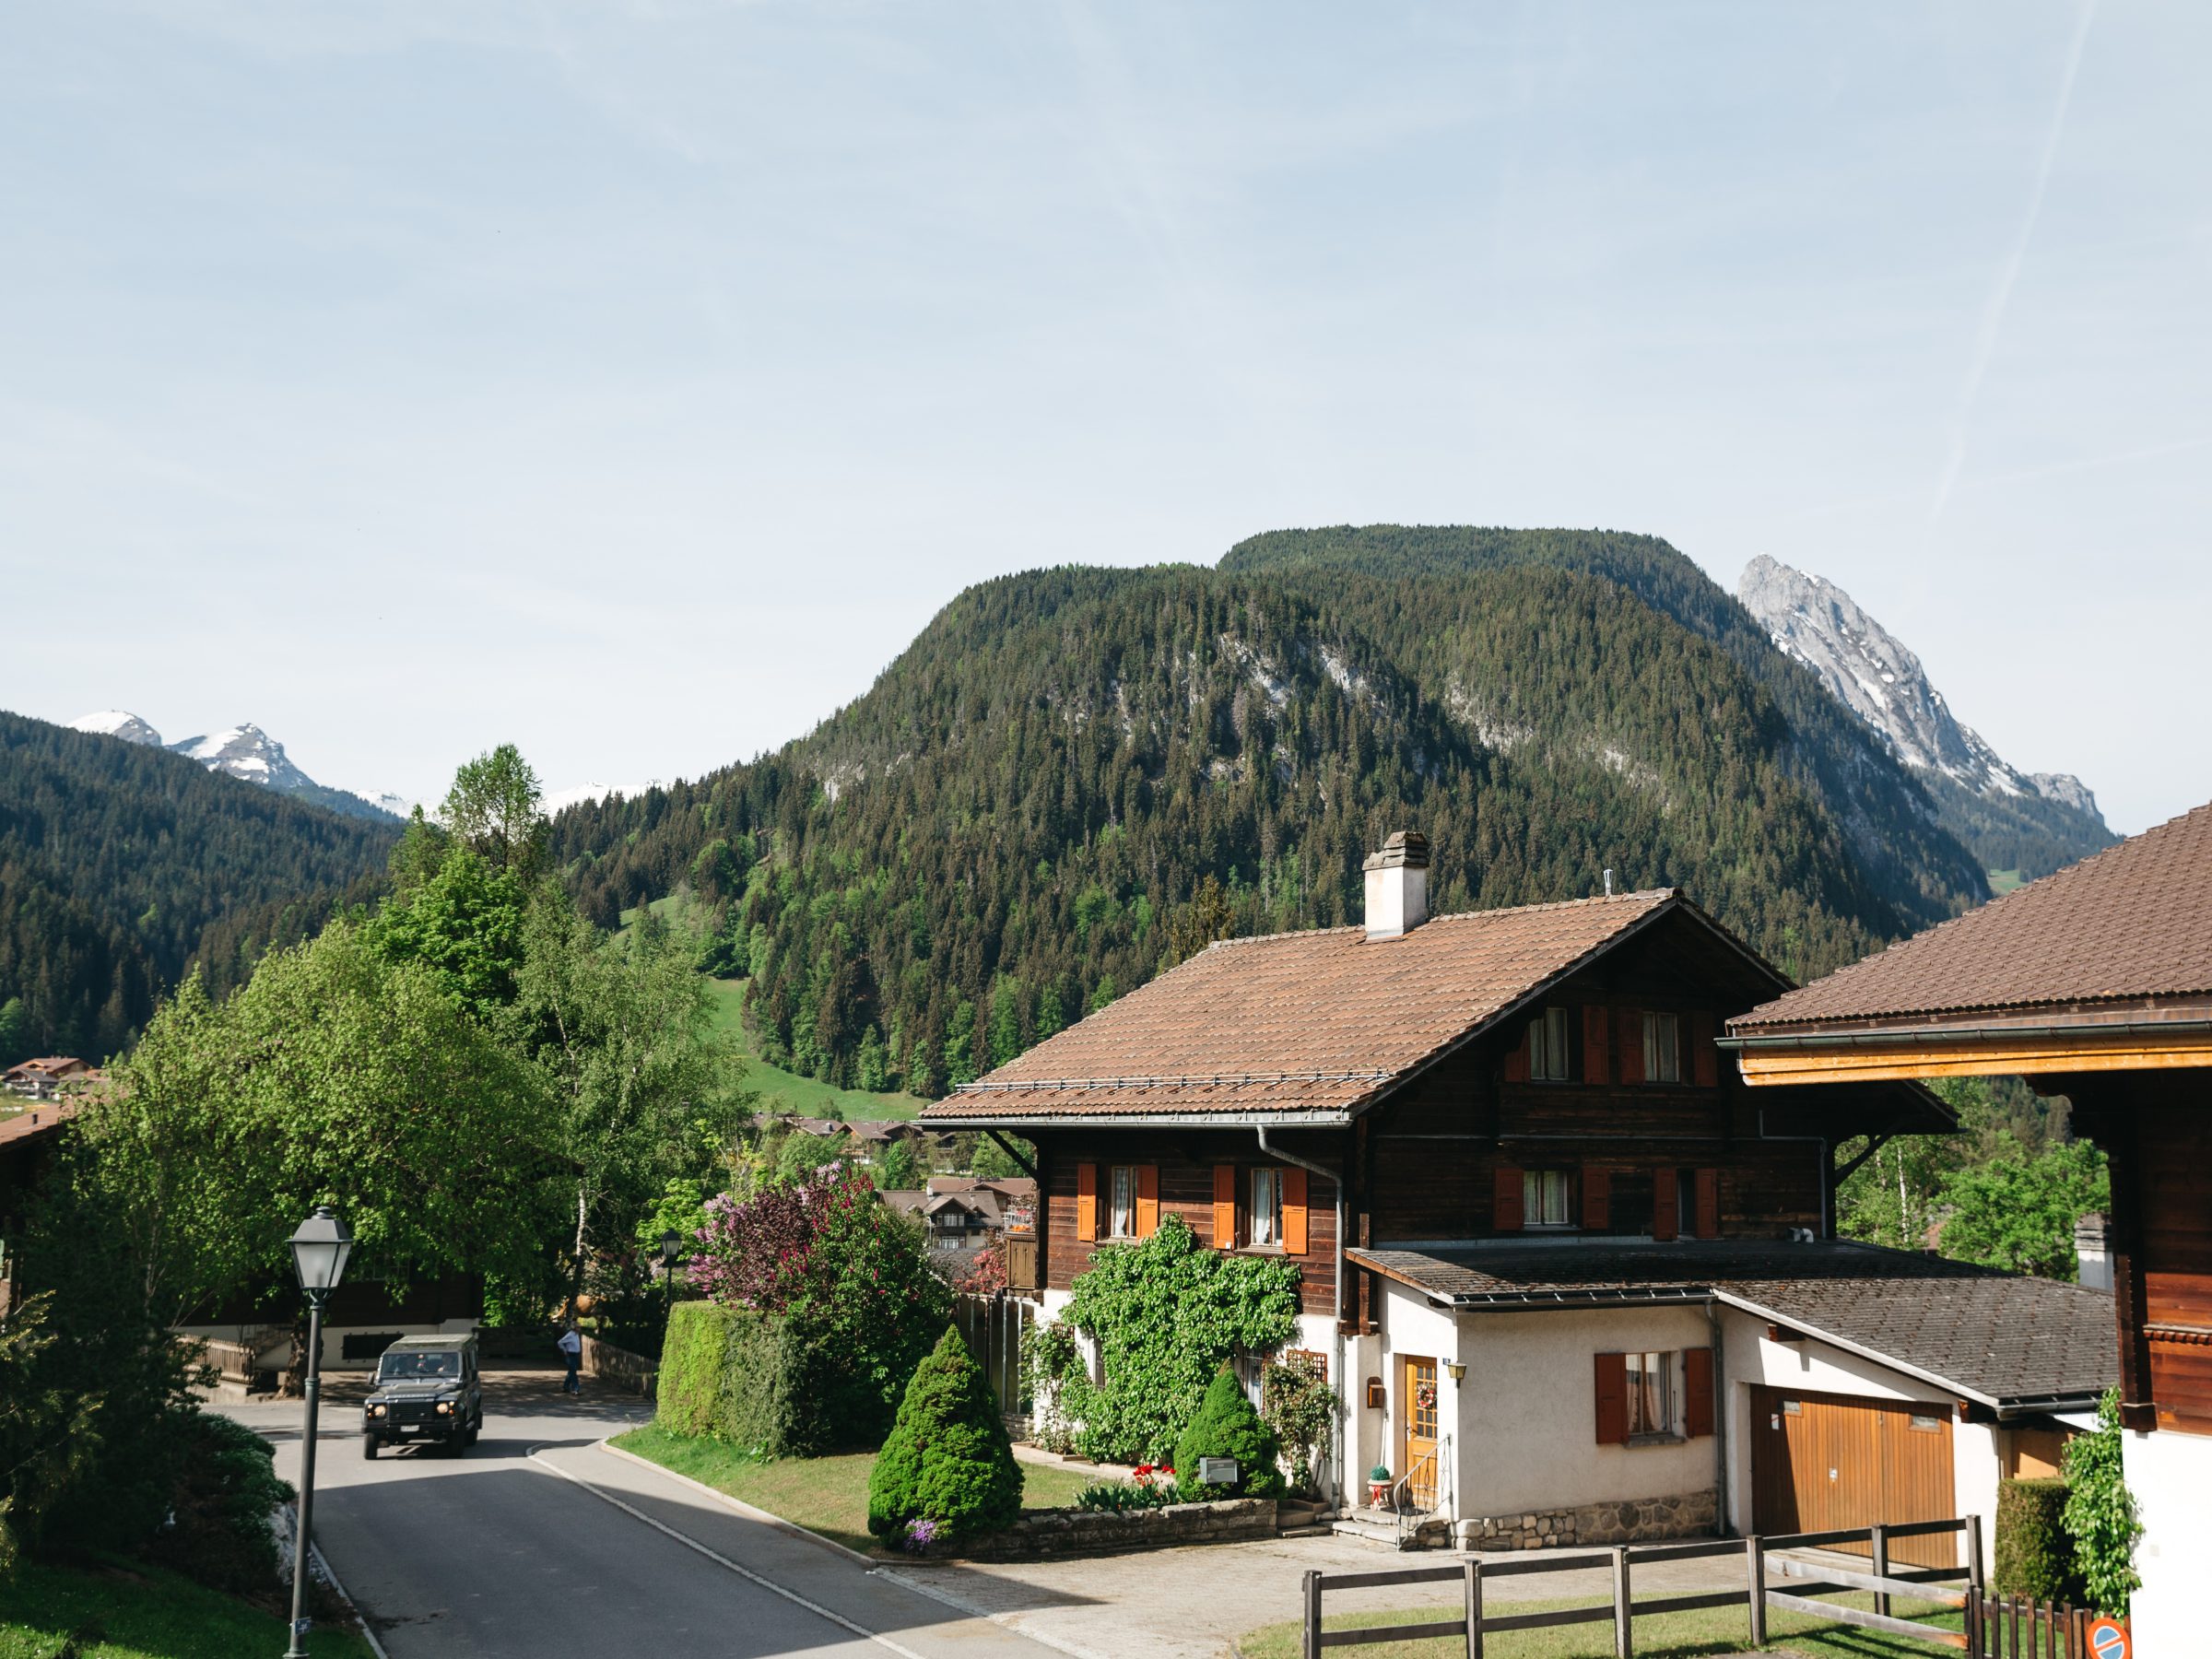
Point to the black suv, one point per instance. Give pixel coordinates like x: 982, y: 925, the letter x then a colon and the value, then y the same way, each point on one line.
x: 427, y: 1388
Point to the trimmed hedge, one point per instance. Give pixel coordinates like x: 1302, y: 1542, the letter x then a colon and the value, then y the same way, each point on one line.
x: 2035, y: 1556
x: 751, y: 1380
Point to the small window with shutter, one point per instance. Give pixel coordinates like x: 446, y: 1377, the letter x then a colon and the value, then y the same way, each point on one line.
x: 1662, y: 1048
x: 1550, y: 1059
x: 1266, y: 1230
x: 1543, y: 1198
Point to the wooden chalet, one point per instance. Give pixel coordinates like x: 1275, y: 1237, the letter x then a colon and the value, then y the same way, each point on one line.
x: 2094, y: 983
x: 1552, y: 1248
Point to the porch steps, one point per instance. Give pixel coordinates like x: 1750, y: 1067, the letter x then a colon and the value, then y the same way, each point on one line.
x: 1382, y: 1526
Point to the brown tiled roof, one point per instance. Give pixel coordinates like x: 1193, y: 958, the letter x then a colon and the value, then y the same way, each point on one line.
x: 1997, y: 1336
x: 42, y: 1120
x: 1313, y: 1022
x: 2132, y: 922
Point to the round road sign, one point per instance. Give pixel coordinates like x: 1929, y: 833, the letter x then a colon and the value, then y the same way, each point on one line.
x: 2108, y: 1639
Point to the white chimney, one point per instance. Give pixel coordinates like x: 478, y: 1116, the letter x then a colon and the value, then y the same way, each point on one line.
x: 1397, y: 885
x: 2093, y: 1251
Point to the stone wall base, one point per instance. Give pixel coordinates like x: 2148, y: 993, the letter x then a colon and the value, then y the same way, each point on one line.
x: 1081, y: 1531
x: 1631, y: 1521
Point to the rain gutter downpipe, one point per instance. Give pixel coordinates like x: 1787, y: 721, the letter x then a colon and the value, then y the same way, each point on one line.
x: 1336, y: 1180
x: 1344, y: 1384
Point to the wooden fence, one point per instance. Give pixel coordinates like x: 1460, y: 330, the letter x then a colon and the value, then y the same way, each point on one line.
x: 1762, y: 1560
x: 994, y: 1327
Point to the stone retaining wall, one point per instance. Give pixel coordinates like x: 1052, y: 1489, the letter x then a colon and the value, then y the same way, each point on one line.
x: 1634, y: 1521
x: 1083, y: 1532
x: 603, y: 1362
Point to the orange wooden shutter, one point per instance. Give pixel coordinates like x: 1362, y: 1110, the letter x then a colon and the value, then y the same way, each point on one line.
x: 1225, y: 1207
x: 1516, y: 1059
x: 1697, y: 1404
x: 1294, y: 1212
x: 1666, y: 1206
x: 1086, y: 1201
x: 1596, y: 1066
x: 1627, y: 1059
x: 1612, y: 1399
x: 1148, y: 1200
x: 1597, y: 1198
x: 1704, y: 1057
x: 1506, y: 1205
x: 1709, y: 1204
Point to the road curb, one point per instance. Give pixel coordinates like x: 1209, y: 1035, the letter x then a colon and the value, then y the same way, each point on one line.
x: 881, y: 1569
x: 743, y: 1508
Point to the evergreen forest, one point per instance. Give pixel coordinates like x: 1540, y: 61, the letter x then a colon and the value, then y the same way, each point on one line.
x: 1075, y: 776
x: 120, y: 864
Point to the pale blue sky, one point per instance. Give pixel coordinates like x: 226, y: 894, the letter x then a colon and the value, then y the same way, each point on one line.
x: 633, y: 382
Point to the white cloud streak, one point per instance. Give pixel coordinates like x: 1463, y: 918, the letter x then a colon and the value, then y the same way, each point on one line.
x: 2009, y: 274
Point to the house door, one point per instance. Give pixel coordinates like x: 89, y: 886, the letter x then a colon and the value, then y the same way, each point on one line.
x: 1830, y: 1462
x: 1417, y: 1434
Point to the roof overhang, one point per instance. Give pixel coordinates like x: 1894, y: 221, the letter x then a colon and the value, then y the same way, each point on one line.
x: 1972, y: 1046
x: 1016, y: 1122
x: 1537, y: 1300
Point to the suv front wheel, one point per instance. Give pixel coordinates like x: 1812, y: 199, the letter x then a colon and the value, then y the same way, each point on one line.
x: 369, y: 1445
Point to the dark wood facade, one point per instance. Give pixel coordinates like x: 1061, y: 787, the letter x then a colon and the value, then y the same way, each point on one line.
x: 1444, y: 1156
x: 2156, y: 1126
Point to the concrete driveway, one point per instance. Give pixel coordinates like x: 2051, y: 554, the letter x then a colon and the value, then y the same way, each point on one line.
x: 535, y: 1543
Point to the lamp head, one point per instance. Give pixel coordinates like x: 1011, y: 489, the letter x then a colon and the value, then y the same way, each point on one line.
x: 671, y: 1243
x: 320, y: 1249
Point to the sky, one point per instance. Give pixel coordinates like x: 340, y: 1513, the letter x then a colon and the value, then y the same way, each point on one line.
x: 633, y: 382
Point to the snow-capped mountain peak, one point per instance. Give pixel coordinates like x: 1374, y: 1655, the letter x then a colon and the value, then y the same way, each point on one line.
x: 117, y: 722
x: 1876, y: 676
x: 248, y: 752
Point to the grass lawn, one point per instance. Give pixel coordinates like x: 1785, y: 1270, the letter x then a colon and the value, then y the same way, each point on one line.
x: 139, y: 1613
x: 825, y: 1494
x: 780, y: 1091
x: 1662, y: 1636
x: 2002, y: 882
x: 787, y: 1092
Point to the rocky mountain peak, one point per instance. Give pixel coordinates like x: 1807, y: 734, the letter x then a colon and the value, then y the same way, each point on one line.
x: 118, y: 723
x: 249, y: 754
x: 1876, y: 676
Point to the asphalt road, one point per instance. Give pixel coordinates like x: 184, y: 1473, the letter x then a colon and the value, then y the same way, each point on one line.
x: 536, y: 1544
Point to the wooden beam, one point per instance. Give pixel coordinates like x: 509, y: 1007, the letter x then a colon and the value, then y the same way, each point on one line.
x: 1771, y: 1067
x: 1846, y: 1170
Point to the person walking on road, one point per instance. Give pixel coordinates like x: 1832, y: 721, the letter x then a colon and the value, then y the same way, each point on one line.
x: 571, y: 1350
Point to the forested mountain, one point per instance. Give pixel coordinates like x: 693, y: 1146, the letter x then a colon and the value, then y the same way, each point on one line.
x: 1074, y: 776
x: 121, y: 864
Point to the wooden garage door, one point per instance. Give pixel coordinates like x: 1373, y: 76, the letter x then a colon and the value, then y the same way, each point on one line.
x: 1824, y: 1462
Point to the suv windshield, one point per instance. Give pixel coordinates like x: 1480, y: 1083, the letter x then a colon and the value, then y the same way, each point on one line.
x: 399, y: 1367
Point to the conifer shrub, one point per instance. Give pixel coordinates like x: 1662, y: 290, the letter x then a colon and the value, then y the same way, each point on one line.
x: 1226, y: 1426
x: 2035, y: 1556
x: 948, y: 1462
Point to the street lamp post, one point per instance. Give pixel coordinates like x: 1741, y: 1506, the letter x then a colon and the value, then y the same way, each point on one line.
x: 318, y: 1252
x: 671, y: 1243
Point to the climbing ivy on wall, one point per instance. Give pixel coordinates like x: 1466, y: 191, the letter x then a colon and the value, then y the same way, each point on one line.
x: 1164, y: 1315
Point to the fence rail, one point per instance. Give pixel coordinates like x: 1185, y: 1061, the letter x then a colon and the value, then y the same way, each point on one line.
x: 1763, y: 1561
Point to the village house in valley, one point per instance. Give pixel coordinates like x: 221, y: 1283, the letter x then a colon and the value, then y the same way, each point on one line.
x: 2094, y: 983
x: 1574, y: 1280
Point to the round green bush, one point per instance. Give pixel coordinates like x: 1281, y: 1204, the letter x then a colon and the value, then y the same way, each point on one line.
x: 1226, y: 1426
x: 948, y: 1460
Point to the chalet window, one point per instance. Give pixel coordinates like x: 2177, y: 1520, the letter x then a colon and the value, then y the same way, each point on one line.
x: 1646, y: 1398
x: 1121, y: 1210
x: 1651, y: 1394
x: 1267, y: 1208
x: 1662, y: 1048
x: 1549, y: 1059
x: 1543, y: 1198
